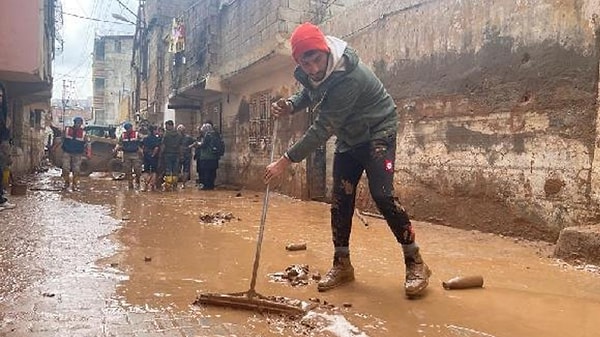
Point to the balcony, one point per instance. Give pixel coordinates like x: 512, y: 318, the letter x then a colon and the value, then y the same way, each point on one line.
x: 195, y: 54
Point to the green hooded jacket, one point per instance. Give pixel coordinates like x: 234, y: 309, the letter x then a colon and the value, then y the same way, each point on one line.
x: 352, y: 104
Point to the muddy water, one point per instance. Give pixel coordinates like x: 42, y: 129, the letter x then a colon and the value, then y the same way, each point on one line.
x: 171, y: 256
x: 166, y: 256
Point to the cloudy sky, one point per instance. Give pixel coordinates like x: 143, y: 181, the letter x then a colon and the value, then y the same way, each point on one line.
x: 83, y: 21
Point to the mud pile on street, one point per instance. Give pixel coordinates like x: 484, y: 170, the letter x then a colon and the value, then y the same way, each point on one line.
x: 295, y: 275
x: 219, y: 217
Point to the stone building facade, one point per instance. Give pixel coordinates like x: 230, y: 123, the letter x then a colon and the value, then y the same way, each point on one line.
x: 498, y: 101
x: 111, y: 78
x: 26, y: 53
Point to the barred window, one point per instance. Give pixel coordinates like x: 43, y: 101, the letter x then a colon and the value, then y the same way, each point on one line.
x: 261, y: 123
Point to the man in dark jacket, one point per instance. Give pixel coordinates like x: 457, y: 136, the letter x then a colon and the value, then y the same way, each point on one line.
x: 130, y: 143
x: 185, y: 163
x: 151, y: 150
x: 171, y: 153
x: 352, y: 104
x: 208, y: 155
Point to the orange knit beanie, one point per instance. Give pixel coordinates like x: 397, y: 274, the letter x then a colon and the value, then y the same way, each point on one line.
x: 307, y: 37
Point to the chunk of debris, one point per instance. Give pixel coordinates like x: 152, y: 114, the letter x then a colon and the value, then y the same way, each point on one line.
x: 216, y: 218
x: 295, y: 275
x: 295, y: 246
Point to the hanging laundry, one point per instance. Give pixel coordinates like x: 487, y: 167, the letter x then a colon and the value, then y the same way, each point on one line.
x: 177, y: 40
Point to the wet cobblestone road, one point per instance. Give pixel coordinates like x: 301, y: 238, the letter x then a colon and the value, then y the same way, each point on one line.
x: 52, y: 283
x: 112, y: 262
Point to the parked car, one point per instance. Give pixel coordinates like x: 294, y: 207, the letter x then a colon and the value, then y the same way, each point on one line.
x: 102, y: 139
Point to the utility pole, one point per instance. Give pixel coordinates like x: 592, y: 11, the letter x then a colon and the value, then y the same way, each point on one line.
x: 68, y: 85
x: 136, y: 62
x: 64, y: 102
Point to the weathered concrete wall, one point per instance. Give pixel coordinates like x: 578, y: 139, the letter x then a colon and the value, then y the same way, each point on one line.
x: 23, y: 55
x: 244, y: 162
x: 112, y: 66
x: 252, y: 30
x: 25, y: 72
x: 29, y: 136
x: 156, y: 82
x: 498, y: 105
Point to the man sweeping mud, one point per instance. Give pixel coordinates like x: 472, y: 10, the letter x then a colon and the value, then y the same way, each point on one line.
x: 352, y: 104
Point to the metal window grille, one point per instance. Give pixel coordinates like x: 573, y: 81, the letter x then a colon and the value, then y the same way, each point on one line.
x: 261, y: 123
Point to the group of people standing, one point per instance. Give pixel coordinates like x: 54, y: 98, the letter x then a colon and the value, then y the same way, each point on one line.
x: 152, y: 156
x: 164, y: 156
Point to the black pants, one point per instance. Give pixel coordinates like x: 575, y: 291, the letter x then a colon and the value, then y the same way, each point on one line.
x: 208, y: 173
x: 184, y: 168
x: 377, y: 159
x: 199, y: 175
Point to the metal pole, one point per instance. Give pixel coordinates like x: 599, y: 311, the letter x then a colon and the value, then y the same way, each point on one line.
x: 263, y: 219
x: 64, y: 102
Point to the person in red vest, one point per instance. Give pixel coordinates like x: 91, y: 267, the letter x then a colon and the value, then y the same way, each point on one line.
x: 75, y: 145
x: 130, y: 143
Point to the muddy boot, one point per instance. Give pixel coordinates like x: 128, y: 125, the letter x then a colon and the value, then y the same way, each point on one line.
x: 75, y: 184
x: 341, y: 273
x: 417, y: 274
x: 67, y: 182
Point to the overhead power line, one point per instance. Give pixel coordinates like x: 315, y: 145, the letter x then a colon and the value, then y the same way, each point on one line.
x: 127, y: 8
x: 95, y: 19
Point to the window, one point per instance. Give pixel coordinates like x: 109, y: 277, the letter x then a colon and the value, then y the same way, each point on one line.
x: 261, y: 124
x: 212, y: 112
x: 35, y: 118
x: 117, y: 46
x: 99, y: 50
x: 98, y: 84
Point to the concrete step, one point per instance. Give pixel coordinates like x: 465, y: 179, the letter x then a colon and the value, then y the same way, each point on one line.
x: 579, y: 243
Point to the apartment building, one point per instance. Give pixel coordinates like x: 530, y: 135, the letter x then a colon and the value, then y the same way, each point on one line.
x: 26, y: 53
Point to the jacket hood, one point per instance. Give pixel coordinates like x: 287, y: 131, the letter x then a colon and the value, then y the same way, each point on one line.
x: 342, y: 59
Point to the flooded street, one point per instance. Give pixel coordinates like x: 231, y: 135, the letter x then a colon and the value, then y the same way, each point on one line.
x: 111, y: 262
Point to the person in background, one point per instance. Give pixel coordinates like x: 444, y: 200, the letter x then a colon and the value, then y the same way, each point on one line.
x: 196, y: 148
x: 75, y: 145
x: 186, y: 155
x: 352, y: 104
x: 131, y: 144
x: 151, y: 150
x: 171, y: 152
x: 5, y: 162
x: 208, y: 159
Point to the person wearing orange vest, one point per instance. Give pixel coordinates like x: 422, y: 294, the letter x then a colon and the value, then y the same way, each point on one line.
x: 75, y: 145
x: 130, y: 143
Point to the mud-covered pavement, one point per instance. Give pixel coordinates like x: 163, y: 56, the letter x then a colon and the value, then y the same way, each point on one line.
x: 111, y: 262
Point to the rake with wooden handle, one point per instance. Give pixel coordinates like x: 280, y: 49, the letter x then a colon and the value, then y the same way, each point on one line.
x: 250, y: 299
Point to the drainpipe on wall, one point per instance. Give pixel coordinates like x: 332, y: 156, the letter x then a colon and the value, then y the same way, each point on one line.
x: 595, y: 167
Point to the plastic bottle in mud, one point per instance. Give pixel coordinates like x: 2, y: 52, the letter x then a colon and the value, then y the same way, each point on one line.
x: 463, y: 282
